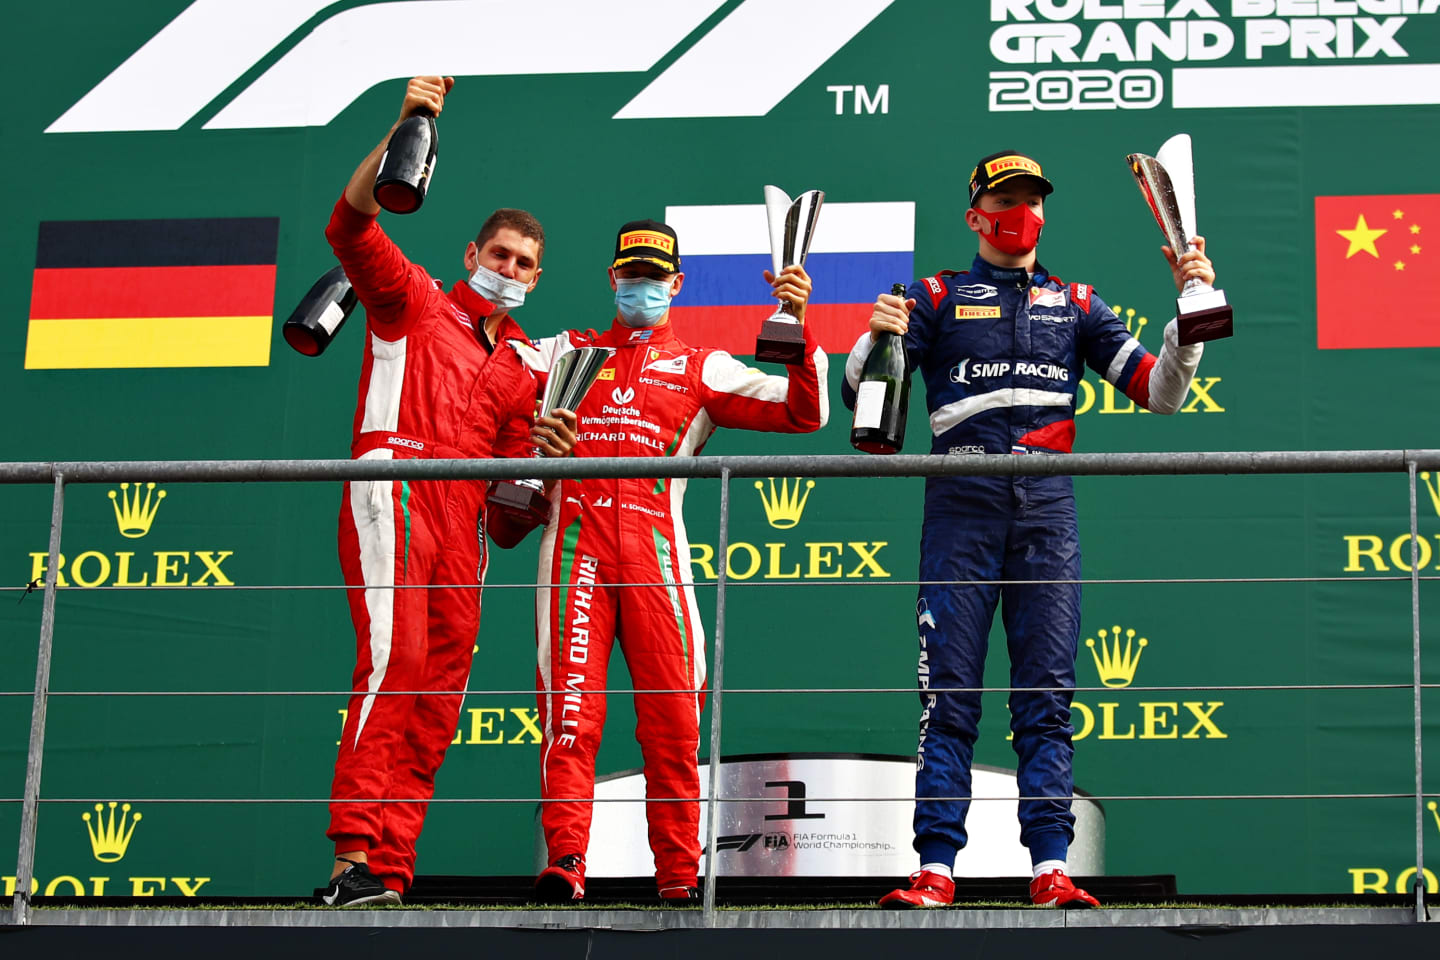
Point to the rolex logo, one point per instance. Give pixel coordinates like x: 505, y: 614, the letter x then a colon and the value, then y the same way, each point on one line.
x: 1116, y: 663
x: 1132, y: 323
x: 783, y: 508
x: 107, y: 839
x: 1432, y: 486
x: 133, y: 515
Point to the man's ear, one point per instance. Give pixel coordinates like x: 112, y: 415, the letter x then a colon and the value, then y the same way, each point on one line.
x: 535, y: 279
x: 611, y: 273
x: 678, y: 283
x: 472, y: 257
x: 977, y: 223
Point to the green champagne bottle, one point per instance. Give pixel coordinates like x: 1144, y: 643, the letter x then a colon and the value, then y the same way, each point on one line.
x: 882, y: 401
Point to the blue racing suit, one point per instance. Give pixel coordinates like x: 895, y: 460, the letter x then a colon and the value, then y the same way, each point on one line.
x: 1001, y: 353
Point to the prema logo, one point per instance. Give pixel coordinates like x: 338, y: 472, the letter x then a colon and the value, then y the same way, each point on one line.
x: 214, y: 43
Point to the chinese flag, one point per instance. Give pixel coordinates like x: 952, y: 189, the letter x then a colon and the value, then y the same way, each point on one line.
x: 1369, y: 251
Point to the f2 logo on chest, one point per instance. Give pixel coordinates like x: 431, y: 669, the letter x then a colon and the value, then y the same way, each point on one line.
x: 622, y: 397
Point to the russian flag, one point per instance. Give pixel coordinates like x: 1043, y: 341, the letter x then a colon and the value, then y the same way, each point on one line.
x: 859, y: 251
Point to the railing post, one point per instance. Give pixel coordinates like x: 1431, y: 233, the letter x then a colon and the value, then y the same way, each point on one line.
x: 1419, y: 728
x: 29, y: 812
x: 712, y: 817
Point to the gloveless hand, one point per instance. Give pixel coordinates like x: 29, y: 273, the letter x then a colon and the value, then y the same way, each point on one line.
x: 891, y: 314
x: 1191, y: 264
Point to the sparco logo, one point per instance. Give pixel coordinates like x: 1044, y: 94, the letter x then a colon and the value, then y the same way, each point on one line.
x: 215, y: 43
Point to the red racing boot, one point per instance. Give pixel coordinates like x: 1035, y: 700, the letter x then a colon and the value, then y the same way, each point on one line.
x: 562, y: 881
x: 1054, y: 889
x: 926, y: 890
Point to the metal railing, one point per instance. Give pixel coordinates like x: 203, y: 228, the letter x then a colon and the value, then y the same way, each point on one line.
x: 62, y: 474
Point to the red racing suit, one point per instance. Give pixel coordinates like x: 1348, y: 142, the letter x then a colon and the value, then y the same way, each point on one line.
x: 657, y: 397
x: 430, y: 386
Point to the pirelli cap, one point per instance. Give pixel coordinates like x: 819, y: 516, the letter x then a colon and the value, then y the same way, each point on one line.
x: 649, y: 241
x: 999, y: 167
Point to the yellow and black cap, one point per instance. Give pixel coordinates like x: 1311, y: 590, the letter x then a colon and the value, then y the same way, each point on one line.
x: 647, y: 241
x: 999, y: 167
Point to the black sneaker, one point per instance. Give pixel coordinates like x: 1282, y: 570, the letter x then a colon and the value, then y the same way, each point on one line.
x: 356, y: 887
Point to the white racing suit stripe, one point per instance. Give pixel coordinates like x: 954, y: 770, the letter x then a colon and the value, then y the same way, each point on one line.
x: 953, y: 414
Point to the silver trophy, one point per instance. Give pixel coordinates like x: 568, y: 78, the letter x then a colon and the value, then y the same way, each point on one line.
x: 792, y: 226
x: 1167, y: 181
x: 571, y: 376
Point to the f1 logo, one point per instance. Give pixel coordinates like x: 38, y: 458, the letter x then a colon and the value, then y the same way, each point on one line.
x: 795, y: 809
x: 215, y: 43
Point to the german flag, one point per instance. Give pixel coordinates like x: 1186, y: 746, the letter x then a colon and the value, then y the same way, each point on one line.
x: 153, y: 293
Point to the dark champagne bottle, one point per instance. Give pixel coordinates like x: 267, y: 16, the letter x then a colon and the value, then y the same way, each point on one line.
x: 321, y: 313
x: 882, y: 401
x: 408, y: 165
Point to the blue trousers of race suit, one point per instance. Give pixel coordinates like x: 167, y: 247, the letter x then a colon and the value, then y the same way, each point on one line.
x: 994, y: 528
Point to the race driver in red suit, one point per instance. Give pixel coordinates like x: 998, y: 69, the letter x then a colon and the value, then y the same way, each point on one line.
x: 656, y: 397
x: 440, y: 378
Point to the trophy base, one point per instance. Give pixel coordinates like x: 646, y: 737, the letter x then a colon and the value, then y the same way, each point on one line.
x: 1203, y: 317
x: 524, y: 500
x: 781, y: 341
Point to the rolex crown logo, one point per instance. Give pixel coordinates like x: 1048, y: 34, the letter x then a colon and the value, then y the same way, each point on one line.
x: 1116, y: 663
x: 1432, y: 486
x: 107, y: 839
x: 133, y: 514
x: 1133, y: 323
x: 784, y: 508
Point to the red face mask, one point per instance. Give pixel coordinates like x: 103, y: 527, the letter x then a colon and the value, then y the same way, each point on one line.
x: 1015, y: 231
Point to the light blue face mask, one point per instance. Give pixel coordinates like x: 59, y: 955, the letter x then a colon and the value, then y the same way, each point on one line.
x: 504, y: 293
x: 642, y: 302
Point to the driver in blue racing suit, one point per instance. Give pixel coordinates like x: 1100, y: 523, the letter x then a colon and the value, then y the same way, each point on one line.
x: 1001, y: 349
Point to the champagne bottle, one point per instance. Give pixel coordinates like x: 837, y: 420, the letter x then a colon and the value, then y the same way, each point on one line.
x: 882, y: 401
x: 408, y: 165
x: 321, y: 313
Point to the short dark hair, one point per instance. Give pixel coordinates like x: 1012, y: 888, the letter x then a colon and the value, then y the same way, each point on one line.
x: 521, y: 221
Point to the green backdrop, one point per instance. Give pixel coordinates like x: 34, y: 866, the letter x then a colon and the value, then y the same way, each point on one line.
x: 550, y: 142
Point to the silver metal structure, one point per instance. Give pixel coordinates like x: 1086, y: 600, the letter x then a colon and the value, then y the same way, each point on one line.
x: 61, y: 474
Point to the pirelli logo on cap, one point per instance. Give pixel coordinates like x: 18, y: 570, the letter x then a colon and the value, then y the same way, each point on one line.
x: 647, y: 238
x: 1005, y: 164
x: 976, y: 313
